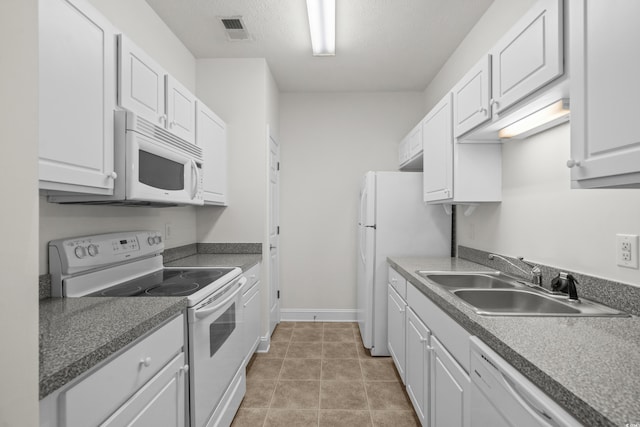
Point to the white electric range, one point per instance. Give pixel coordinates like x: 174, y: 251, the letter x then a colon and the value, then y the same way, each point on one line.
x: 130, y: 264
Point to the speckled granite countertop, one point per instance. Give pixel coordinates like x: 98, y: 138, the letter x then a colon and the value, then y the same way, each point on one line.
x: 244, y: 261
x: 78, y: 333
x: 589, y: 365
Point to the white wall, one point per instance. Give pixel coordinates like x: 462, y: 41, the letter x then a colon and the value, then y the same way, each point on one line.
x: 540, y: 217
x: 328, y: 142
x: 142, y: 25
x: 236, y: 90
x: 19, y: 187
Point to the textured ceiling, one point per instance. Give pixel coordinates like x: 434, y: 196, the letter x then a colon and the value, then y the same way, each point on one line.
x: 381, y: 45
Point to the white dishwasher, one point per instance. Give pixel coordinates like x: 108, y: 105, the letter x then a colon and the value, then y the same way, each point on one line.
x: 503, y: 397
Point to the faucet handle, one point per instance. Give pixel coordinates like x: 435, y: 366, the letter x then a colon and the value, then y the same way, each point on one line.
x: 534, y: 268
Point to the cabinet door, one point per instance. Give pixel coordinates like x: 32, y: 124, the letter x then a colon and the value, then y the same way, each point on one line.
x: 418, y: 365
x: 529, y: 56
x: 396, y: 308
x: 471, y: 98
x: 77, y: 97
x: 159, y: 402
x: 403, y: 151
x: 415, y: 141
x: 211, y: 136
x: 251, y: 307
x: 605, y: 93
x: 181, y: 110
x: 141, y: 87
x: 450, y: 390
x: 437, y: 137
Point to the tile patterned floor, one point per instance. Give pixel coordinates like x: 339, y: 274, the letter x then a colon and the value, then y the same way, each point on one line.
x: 319, y: 374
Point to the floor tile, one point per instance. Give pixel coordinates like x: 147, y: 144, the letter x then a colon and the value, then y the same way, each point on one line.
x: 249, y: 417
x: 338, y: 335
x: 341, y: 370
x: 342, y: 395
x: 286, y: 325
x: 309, y: 325
x: 307, y: 335
x: 259, y: 393
x: 395, y: 419
x: 292, y: 418
x: 304, y: 350
x: 363, y: 353
x: 339, y: 350
x: 282, y: 334
x: 387, y: 396
x: 265, y: 369
x: 339, y: 325
x: 379, y: 369
x: 296, y: 395
x: 277, y: 350
x: 344, y: 418
x: 300, y: 369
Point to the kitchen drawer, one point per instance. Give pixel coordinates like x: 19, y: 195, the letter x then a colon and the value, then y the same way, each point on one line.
x: 96, y: 397
x: 453, y: 336
x: 398, y: 282
x: 252, y: 275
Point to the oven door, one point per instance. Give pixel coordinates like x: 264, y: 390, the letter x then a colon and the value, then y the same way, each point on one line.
x: 215, y: 348
x: 156, y: 173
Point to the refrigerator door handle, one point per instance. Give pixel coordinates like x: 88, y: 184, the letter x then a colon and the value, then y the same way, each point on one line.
x: 362, y: 256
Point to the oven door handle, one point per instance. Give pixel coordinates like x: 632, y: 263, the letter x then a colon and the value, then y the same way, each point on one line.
x: 204, y: 313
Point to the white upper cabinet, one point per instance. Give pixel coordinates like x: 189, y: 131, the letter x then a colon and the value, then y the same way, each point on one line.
x: 471, y: 98
x: 410, y: 150
x: 146, y: 89
x: 211, y: 136
x: 456, y: 173
x: 529, y: 56
x: 142, y: 86
x: 605, y: 94
x: 77, y: 62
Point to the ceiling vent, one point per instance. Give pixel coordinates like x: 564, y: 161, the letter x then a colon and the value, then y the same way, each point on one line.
x: 234, y: 28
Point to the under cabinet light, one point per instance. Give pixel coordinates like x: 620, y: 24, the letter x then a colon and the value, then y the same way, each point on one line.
x: 545, y: 118
x: 322, y: 25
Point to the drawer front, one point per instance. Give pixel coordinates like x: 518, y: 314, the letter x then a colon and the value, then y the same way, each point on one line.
x: 252, y: 275
x: 453, y: 336
x: 398, y: 282
x: 93, y: 399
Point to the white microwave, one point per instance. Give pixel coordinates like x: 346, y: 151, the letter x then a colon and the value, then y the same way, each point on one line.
x: 153, y: 168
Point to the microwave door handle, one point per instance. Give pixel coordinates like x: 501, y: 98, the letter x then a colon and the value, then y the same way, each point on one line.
x: 204, y: 313
x: 194, y: 186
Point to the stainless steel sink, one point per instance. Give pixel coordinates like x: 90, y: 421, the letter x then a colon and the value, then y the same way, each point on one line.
x: 519, y: 302
x: 470, y: 280
x: 498, y: 294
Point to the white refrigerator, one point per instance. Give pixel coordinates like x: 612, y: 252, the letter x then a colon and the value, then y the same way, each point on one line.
x: 393, y: 221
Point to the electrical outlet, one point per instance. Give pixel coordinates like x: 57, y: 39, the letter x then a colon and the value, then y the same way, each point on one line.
x: 627, y: 250
x: 167, y: 231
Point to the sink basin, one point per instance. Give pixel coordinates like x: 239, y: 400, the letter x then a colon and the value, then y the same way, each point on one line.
x: 470, y: 280
x: 518, y: 302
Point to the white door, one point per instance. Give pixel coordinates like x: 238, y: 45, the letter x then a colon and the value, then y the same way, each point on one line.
x: 471, y: 98
x: 77, y: 98
x: 437, y: 135
x: 417, y: 370
x: 274, y: 233
x: 181, y: 110
x: 141, y: 85
x: 450, y: 390
x: 211, y: 136
x: 396, y: 309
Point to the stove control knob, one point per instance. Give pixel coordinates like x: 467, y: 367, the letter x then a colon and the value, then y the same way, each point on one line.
x: 93, y: 250
x: 80, y: 252
x: 158, y: 239
x: 150, y: 240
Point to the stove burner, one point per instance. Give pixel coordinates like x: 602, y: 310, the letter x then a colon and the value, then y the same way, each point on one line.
x: 123, y: 291
x: 204, y: 274
x: 172, y: 289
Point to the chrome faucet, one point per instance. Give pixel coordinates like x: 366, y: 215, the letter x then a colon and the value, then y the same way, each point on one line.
x: 535, y: 272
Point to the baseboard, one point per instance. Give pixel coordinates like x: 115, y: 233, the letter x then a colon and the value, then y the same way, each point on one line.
x: 311, y: 315
x: 264, y: 344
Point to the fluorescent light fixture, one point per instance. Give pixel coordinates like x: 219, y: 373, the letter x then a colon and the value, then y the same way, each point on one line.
x: 322, y: 24
x: 545, y: 118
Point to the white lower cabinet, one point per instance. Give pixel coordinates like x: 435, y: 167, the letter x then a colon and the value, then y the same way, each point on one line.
x: 251, y: 312
x: 145, y: 385
x: 417, y: 369
x: 396, y: 309
x: 450, y: 390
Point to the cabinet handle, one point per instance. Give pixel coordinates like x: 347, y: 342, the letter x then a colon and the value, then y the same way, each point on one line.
x: 482, y: 110
x: 573, y: 163
x: 146, y: 361
x: 493, y: 102
x: 422, y: 339
x: 184, y: 369
x: 162, y: 118
x: 112, y: 175
x: 401, y: 310
x: 171, y: 124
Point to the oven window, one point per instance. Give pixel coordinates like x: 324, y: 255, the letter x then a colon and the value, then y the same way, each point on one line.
x: 221, y: 329
x: 159, y: 172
